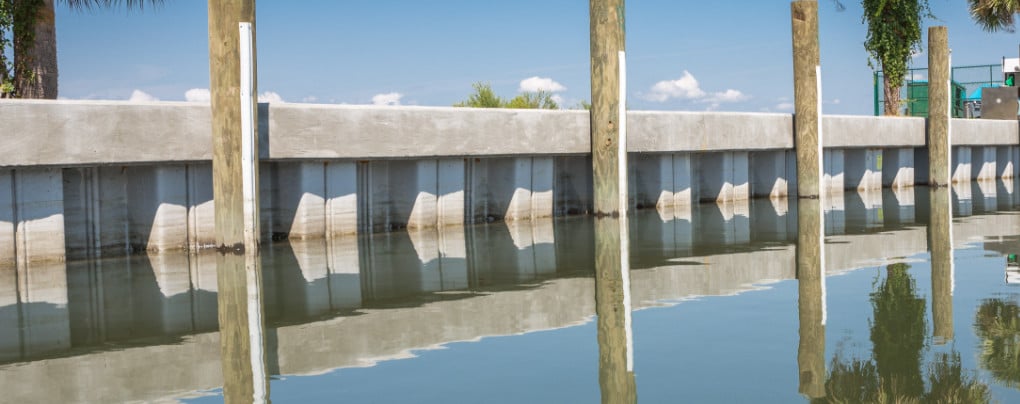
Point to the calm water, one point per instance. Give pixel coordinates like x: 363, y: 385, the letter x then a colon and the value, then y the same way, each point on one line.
x: 721, y: 304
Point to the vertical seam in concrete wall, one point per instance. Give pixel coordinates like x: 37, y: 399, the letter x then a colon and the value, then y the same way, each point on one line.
x: 18, y: 275
x: 190, y: 241
x: 439, y: 213
x: 469, y: 212
x: 91, y: 201
x: 531, y: 191
x: 326, y: 211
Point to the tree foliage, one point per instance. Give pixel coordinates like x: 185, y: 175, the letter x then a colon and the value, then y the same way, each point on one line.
x: 485, y: 97
x: 994, y: 15
x: 18, y: 23
x: 894, y: 33
x: 893, y: 373
x: 536, y: 100
x: 998, y: 326
x: 17, y: 32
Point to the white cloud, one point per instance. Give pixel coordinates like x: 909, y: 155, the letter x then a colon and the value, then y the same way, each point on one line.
x: 536, y: 84
x: 387, y: 99
x: 197, y: 95
x: 271, y: 97
x: 730, y: 95
x: 918, y: 77
x: 310, y: 99
x: 203, y: 95
x: 141, y: 96
x: 784, y: 106
x: 686, y: 87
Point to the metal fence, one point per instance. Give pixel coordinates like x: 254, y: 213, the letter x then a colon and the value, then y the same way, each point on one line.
x: 967, y: 84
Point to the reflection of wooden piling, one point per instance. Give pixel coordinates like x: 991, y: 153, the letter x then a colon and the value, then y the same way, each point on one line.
x: 940, y: 245
x: 811, y: 299
x: 938, y: 107
x: 805, y: 97
x: 242, y: 329
x: 608, y: 107
x: 228, y: 116
x: 612, y: 308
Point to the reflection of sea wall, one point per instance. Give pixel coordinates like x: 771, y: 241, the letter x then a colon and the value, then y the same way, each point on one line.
x: 385, y: 277
x: 377, y: 334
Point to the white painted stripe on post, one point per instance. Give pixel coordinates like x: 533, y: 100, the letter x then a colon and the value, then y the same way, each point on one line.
x: 821, y: 220
x: 624, y: 202
x: 249, y: 150
x: 249, y: 190
x: 256, y: 328
x: 622, y: 141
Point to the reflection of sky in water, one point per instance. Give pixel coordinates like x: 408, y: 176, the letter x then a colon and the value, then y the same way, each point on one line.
x: 503, y: 313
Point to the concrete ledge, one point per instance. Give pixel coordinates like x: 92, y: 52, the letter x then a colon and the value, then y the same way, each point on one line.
x: 977, y: 132
x: 84, y: 133
x: 359, y: 131
x: 40, y: 132
x: 840, y: 131
x: 707, y: 131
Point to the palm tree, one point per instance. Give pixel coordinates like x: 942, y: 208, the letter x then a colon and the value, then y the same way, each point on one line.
x: 35, y: 42
x: 994, y: 15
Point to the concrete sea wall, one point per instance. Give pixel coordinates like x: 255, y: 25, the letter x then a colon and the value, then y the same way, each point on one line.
x: 83, y: 179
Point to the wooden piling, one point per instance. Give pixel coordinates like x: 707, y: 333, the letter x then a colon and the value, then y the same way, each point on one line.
x: 939, y: 159
x: 806, y: 88
x: 613, y: 311
x: 232, y: 185
x: 608, y: 107
x: 940, y: 247
x: 242, y: 328
x: 811, y: 299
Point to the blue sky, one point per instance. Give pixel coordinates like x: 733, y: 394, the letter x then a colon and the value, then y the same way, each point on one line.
x: 682, y: 55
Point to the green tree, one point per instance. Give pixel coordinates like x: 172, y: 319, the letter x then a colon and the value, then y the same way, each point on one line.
x: 537, y: 100
x: 994, y: 15
x: 894, y: 32
x: 898, y: 332
x: 483, y: 97
x: 29, y: 29
x: 998, y: 326
x: 893, y: 373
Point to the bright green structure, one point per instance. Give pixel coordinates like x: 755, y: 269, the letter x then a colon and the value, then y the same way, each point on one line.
x: 965, y: 80
x: 917, y: 99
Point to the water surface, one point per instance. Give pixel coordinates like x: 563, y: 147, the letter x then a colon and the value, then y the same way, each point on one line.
x: 722, y: 304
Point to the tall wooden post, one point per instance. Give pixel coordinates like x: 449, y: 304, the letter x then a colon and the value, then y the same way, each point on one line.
x: 609, y: 189
x: 613, y: 311
x: 242, y: 328
x: 938, y: 107
x: 811, y: 298
x: 940, y: 247
x: 235, y: 144
x: 608, y: 107
x: 806, y: 89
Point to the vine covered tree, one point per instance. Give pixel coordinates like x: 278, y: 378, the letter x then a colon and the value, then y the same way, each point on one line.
x: 894, y: 32
x: 28, y: 28
x: 893, y: 373
x: 994, y: 15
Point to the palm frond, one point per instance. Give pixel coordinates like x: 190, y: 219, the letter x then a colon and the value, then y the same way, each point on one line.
x: 84, y: 5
